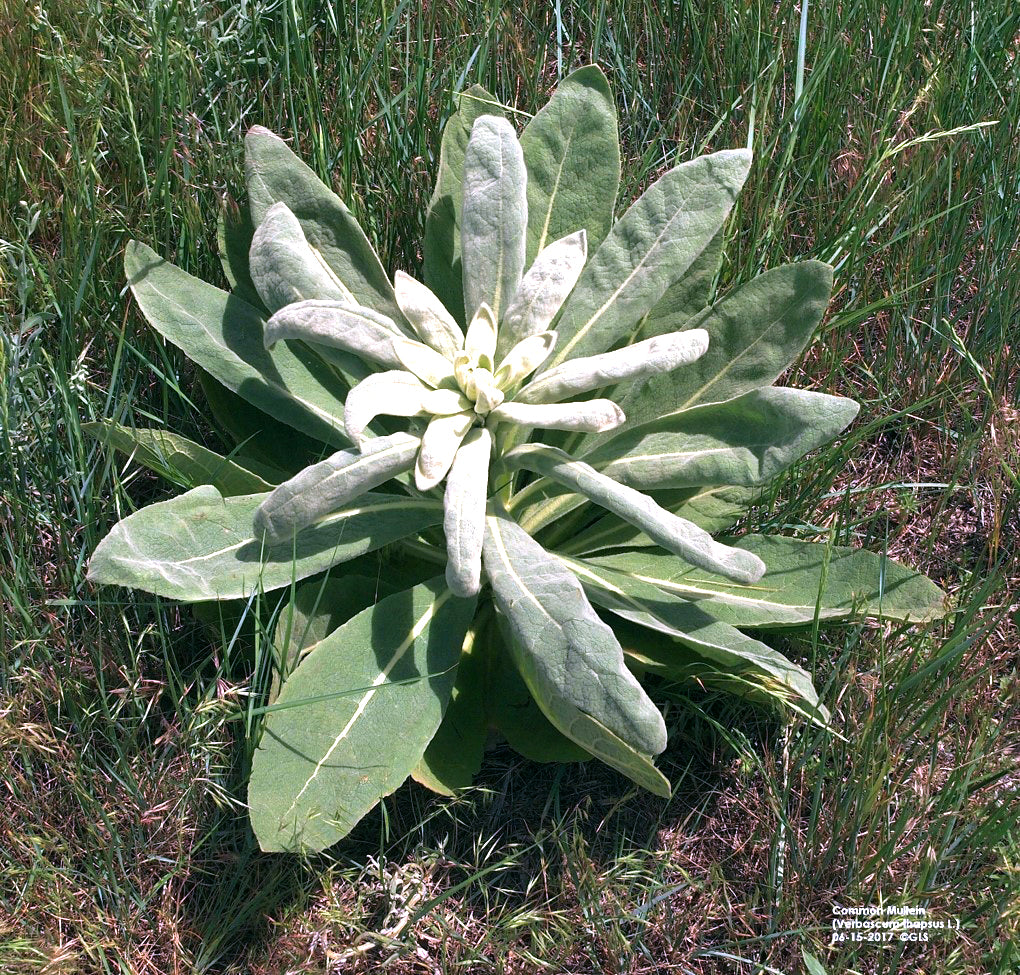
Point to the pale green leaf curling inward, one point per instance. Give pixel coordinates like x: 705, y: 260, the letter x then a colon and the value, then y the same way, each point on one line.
x: 396, y: 393
x: 427, y: 364
x: 593, y: 416
x: 663, y: 353
x: 285, y: 268
x: 319, y: 490
x: 276, y: 175
x: 439, y: 445
x: 435, y: 326
x: 524, y: 358
x: 674, y: 534
x: 480, y: 342
x: 543, y: 289
x: 495, y: 215
x: 464, y: 512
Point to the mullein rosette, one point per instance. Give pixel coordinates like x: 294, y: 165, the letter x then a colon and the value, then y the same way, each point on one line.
x: 558, y: 420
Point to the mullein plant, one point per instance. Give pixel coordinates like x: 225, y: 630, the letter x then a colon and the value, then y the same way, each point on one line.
x: 489, y: 499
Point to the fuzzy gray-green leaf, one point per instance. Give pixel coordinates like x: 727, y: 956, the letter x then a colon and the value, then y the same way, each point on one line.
x: 318, y: 607
x: 663, y: 353
x: 591, y: 416
x: 200, y: 545
x: 494, y: 217
x: 329, y: 750
x: 178, y: 459
x: 802, y: 579
x: 467, y: 488
x: 644, y: 604
x: 276, y: 175
x: 568, y: 657
x: 512, y: 709
x: 715, y: 509
x: 543, y: 289
x: 675, y: 534
x: 572, y: 151
x: 686, y: 296
x: 285, y: 268
x: 324, y: 487
x: 653, y: 243
x: 755, y: 333
x: 745, y: 441
x: 339, y: 325
x: 443, y: 272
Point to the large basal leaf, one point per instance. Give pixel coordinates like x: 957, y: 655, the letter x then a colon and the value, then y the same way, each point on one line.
x: 572, y: 151
x: 644, y: 604
x: 745, y: 441
x: 651, y: 245
x: 650, y: 651
x: 755, y: 333
x: 276, y: 175
x: 454, y: 755
x: 512, y: 710
x: 319, y: 606
x: 687, y: 296
x: 199, y: 545
x: 178, y: 459
x: 443, y: 273
x: 223, y: 334
x: 494, y: 217
x: 355, y: 718
x: 680, y: 302
x: 569, y: 658
x: 802, y: 580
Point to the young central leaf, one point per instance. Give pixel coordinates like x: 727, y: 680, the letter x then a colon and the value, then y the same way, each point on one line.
x: 494, y: 218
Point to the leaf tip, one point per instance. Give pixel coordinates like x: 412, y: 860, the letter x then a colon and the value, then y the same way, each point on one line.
x: 260, y: 130
x: 464, y: 585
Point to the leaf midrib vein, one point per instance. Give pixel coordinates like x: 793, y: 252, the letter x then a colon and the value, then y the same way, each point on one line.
x: 587, y: 327
x: 398, y: 655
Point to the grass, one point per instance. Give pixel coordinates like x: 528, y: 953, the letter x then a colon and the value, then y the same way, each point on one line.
x: 123, y: 757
